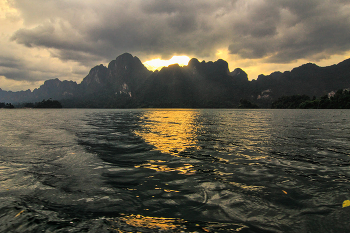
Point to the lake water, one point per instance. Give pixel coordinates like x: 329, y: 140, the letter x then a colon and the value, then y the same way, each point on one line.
x: 149, y: 170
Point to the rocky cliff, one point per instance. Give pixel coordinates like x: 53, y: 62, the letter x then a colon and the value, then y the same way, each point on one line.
x: 126, y: 82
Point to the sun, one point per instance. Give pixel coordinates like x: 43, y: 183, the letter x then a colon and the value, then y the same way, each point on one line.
x: 157, y: 64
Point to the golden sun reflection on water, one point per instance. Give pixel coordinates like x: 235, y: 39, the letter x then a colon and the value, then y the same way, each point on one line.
x: 186, y: 169
x: 162, y: 224
x: 170, y: 132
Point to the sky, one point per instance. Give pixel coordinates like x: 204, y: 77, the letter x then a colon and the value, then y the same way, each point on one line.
x: 64, y: 39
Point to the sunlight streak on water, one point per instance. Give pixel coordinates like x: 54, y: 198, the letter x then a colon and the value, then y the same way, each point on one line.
x: 170, y: 131
x: 152, y: 222
x: 159, y: 166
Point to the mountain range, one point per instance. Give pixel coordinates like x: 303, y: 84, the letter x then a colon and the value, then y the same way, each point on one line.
x: 127, y: 83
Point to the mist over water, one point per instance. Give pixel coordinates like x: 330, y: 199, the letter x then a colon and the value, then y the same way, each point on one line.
x: 150, y: 170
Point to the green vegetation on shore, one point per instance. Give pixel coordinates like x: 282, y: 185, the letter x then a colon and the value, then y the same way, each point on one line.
x: 43, y: 104
x: 340, y: 100
x: 7, y: 105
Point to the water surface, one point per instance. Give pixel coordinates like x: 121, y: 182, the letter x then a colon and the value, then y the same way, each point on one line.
x: 76, y: 170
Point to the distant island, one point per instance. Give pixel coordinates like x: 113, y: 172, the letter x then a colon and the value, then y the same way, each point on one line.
x: 43, y: 104
x: 6, y: 105
x: 127, y: 83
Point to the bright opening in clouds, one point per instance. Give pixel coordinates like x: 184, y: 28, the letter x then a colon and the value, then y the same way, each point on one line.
x: 156, y: 64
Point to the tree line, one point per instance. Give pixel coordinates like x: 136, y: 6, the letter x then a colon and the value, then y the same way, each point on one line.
x: 6, y: 105
x: 340, y: 100
x: 43, y: 104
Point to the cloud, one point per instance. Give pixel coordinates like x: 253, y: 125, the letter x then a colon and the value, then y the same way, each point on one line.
x: 92, y: 32
x: 23, y: 70
x: 302, y: 29
x: 106, y: 30
x: 280, y: 31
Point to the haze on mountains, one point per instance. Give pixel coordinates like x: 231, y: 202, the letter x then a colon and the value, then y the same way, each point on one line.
x: 127, y: 83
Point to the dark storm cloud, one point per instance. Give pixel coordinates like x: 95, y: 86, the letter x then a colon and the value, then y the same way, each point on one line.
x: 9, y: 62
x: 20, y: 73
x: 20, y: 70
x: 278, y: 31
x: 302, y: 29
x: 154, y: 27
x: 13, y: 69
x: 86, y: 59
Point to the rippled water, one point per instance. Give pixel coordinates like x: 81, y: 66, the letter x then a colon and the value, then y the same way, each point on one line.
x: 81, y: 170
